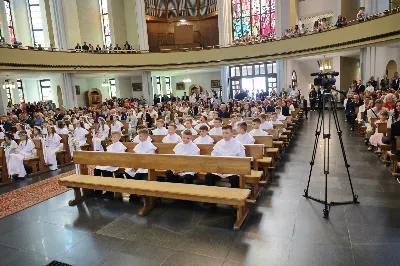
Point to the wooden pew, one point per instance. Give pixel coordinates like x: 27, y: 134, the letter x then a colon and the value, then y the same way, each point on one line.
x: 64, y: 155
x: 255, y: 151
x: 385, y: 148
x: 37, y: 163
x: 150, y: 190
x: 3, y: 167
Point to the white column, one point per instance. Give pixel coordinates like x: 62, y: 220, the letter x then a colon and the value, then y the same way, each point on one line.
x: 59, y: 24
x: 3, y: 97
x: 15, y: 93
x: 22, y: 26
x: 224, y: 22
x: 141, y: 26
x: 130, y: 22
x: 4, y: 22
x: 66, y: 81
x: 368, y: 63
x: 44, y: 23
x: 147, y: 87
x: 280, y: 83
x: 375, y: 6
x: 224, y: 83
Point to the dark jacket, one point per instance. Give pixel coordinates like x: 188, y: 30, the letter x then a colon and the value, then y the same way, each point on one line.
x: 396, y: 84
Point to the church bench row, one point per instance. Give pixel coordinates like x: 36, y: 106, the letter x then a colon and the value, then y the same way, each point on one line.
x: 150, y: 190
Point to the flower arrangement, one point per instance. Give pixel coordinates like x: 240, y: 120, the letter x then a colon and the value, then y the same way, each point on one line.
x: 75, y: 144
x: 70, y: 132
x: 6, y: 144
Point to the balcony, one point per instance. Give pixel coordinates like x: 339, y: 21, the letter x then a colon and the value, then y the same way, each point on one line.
x: 381, y: 30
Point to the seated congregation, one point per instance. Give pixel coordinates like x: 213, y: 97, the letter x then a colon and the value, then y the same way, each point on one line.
x: 174, y: 143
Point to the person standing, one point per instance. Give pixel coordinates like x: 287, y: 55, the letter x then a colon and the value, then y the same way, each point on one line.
x: 385, y: 83
x: 396, y: 81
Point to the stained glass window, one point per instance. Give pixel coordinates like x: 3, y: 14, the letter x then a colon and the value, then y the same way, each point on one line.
x: 105, y: 21
x: 36, y: 22
x: 253, y: 18
x: 9, y: 20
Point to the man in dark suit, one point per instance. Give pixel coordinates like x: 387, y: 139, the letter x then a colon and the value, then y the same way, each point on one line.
x: 360, y: 87
x: 185, y: 97
x: 396, y: 81
x: 352, y: 110
x: 223, y: 112
x: 58, y: 116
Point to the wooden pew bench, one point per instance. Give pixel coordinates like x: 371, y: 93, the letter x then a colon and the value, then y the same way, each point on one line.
x: 255, y: 179
x: 64, y: 155
x: 3, y: 168
x: 152, y: 190
x: 37, y: 163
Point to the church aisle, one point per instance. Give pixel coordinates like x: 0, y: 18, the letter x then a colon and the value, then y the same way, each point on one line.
x: 283, y: 228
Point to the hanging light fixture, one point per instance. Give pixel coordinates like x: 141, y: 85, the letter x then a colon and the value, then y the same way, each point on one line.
x: 8, y: 84
x: 187, y: 80
x: 106, y: 83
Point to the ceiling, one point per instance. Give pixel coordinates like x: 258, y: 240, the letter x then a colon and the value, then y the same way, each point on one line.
x: 355, y: 53
x: 181, y: 72
x: 25, y: 74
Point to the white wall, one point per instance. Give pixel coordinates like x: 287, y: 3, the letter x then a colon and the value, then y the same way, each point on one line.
x: 303, y: 70
x: 124, y: 87
x: 31, y: 90
x: 383, y: 56
x: 309, y: 8
x: 90, y: 22
x: 201, y: 79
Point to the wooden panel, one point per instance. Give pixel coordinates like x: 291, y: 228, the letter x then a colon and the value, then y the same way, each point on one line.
x: 223, y: 165
x: 183, y: 34
x: 267, y: 141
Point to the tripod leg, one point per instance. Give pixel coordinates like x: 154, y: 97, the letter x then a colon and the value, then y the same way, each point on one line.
x: 317, y: 134
x: 339, y: 131
x: 327, y: 138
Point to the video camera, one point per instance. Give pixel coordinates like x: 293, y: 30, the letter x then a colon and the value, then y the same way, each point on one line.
x: 325, y: 79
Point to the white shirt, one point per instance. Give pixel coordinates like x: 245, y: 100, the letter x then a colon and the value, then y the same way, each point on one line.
x: 258, y: 132
x: 160, y: 131
x: 266, y: 125
x: 370, y: 89
x: 174, y: 138
x: 204, y: 140
x: 115, y: 147
x: 281, y: 117
x: 186, y: 149
x: 197, y: 127
x: 136, y: 139
x: 27, y: 148
x: 180, y: 127
x: 216, y: 131
x: 231, y: 147
x: 144, y: 147
x: 103, y: 133
x: 63, y: 130
x: 194, y: 132
x: 245, y: 138
x: 117, y: 126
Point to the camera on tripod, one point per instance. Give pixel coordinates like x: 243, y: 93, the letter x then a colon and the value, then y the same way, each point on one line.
x: 325, y: 80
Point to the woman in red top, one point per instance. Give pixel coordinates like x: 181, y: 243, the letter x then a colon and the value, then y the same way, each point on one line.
x: 390, y: 100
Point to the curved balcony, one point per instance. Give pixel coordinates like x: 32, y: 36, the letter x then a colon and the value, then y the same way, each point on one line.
x: 377, y: 31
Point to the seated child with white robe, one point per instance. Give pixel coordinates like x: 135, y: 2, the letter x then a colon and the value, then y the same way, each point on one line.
x: 202, y: 122
x: 52, y: 145
x: 79, y: 137
x: 26, y: 149
x: 160, y: 130
x: 37, y: 133
x: 234, y: 122
x: 136, y: 138
x: 376, y: 138
x: 144, y: 147
x: 204, y: 138
x: 102, y: 133
x: 228, y: 146
x: 179, y: 122
x: 61, y: 128
x: 188, y: 126
x: 217, y: 129
x: 10, y: 146
x: 257, y: 131
x: 116, y: 125
x: 172, y: 137
x: 264, y: 123
x: 186, y: 147
x: 109, y: 171
x: 242, y: 136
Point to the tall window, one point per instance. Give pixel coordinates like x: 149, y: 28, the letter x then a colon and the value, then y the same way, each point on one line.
x: 36, y: 22
x: 8, y: 91
x: 254, y: 78
x: 168, y: 85
x: 9, y: 20
x: 45, y: 89
x: 113, y: 88
x: 158, y: 88
x: 20, y: 91
x: 253, y: 18
x: 105, y: 22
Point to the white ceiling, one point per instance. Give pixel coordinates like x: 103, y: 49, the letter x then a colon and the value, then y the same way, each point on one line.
x: 349, y: 53
x: 23, y: 74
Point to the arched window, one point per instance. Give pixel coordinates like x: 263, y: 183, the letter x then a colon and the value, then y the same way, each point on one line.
x: 253, y: 18
x: 294, y: 78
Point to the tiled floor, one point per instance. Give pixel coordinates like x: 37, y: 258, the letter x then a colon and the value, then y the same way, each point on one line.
x: 283, y: 228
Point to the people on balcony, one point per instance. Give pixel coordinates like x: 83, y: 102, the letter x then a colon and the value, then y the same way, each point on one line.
x: 362, y: 14
x: 85, y: 47
x: 339, y: 22
x: 78, y: 47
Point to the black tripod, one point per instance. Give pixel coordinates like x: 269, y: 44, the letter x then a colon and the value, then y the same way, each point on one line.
x: 328, y: 103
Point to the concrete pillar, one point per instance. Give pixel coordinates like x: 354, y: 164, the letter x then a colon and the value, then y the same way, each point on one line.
x: 224, y: 22
x: 66, y: 81
x: 141, y: 26
x: 130, y: 22
x: 225, y: 76
x: 147, y: 87
x: 22, y: 24
x: 3, y: 97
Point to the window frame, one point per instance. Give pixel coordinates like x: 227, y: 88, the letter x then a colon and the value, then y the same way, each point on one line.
x: 112, y: 87
x: 44, y: 87
x: 168, y: 85
x: 33, y: 30
x: 106, y: 37
x: 158, y: 85
x: 20, y: 87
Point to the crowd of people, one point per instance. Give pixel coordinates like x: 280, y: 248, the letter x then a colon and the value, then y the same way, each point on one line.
x: 127, y: 48
x: 364, y: 104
